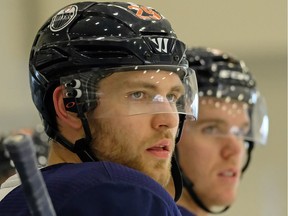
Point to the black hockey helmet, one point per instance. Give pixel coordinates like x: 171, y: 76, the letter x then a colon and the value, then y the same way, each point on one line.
x: 97, y: 35
x: 221, y: 75
x: 100, y: 38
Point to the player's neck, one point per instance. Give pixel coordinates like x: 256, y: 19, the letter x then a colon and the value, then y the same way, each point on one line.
x: 59, y: 154
x: 188, y: 203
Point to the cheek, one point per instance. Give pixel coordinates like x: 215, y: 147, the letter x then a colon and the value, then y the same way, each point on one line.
x: 189, y: 159
x: 131, y: 129
x: 243, y: 154
x: 187, y: 152
x: 196, y: 152
x: 188, y: 145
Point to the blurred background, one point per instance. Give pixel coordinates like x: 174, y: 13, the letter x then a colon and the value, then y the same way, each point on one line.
x: 255, y: 31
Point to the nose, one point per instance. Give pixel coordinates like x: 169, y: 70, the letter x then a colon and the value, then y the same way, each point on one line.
x: 166, y: 115
x: 233, y: 146
x: 164, y: 121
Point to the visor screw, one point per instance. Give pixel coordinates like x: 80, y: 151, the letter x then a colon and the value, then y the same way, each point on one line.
x: 147, y: 55
x: 176, y: 58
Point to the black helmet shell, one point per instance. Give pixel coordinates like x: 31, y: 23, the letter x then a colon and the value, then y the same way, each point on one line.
x: 88, y: 35
x: 215, y: 69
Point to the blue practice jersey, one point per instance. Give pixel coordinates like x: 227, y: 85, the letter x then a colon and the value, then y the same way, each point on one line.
x: 185, y: 212
x: 98, y: 189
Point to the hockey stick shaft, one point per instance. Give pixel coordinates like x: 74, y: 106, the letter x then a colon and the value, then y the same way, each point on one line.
x: 23, y: 154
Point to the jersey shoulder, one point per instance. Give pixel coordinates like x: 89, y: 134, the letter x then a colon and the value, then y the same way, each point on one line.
x: 185, y: 212
x: 100, y: 188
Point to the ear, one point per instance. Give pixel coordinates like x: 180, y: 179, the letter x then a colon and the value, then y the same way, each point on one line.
x: 68, y: 118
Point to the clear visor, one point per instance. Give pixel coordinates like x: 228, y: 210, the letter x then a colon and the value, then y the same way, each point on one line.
x: 259, y: 122
x: 239, y: 103
x: 128, y: 91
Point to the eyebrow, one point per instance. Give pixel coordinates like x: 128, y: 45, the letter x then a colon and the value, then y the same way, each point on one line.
x: 146, y: 85
x: 220, y: 121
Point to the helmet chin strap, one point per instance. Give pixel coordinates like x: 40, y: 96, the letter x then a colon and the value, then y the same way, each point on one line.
x: 249, y: 153
x: 177, y: 178
x: 175, y: 169
x: 189, y: 186
x: 81, y: 146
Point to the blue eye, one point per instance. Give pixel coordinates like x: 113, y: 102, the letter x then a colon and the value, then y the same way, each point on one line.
x: 212, y: 129
x: 172, y: 98
x: 137, y: 95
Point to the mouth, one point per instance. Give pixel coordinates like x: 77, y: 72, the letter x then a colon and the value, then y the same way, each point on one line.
x: 161, y: 150
x: 229, y: 174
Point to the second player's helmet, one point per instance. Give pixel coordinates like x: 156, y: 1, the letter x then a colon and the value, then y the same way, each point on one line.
x: 222, y: 76
x: 87, y: 41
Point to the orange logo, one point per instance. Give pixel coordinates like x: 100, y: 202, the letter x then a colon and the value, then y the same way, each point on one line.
x: 145, y: 13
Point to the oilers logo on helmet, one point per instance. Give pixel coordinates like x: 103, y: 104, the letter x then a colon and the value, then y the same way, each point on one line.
x: 63, y: 18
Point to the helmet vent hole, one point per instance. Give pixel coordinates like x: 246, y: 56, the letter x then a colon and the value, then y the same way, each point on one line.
x: 102, y: 52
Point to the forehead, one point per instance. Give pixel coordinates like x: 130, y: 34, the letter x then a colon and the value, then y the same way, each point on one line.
x: 133, y: 79
x: 210, y: 107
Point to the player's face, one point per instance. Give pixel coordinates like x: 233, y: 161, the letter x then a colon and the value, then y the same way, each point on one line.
x: 211, y: 155
x: 131, y: 135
